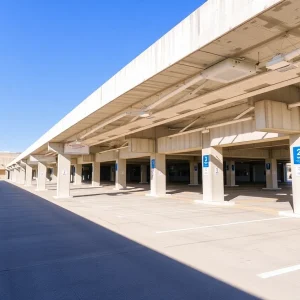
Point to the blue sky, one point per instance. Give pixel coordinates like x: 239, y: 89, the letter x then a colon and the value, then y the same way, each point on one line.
x: 53, y: 54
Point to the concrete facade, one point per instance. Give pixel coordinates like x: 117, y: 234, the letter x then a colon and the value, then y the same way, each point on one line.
x: 198, y: 96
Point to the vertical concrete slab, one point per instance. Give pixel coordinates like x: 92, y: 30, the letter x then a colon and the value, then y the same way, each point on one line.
x: 194, y: 170
x: 212, y: 172
x: 63, y: 176
x: 158, y: 175
x: 230, y: 173
x: 18, y: 176
x: 295, y: 163
x: 22, y: 176
x: 54, y: 174
x: 41, y: 177
x: 143, y: 174
x: 120, y: 173
x: 13, y: 175
x: 112, y: 173
x: 28, y: 175
x: 78, y: 174
x: 271, y: 174
x: 96, y: 174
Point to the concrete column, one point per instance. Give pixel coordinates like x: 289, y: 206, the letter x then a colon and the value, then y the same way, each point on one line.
x: 212, y: 171
x: 230, y: 173
x: 271, y: 174
x: 18, y: 175
x: 22, y: 176
x: 63, y: 176
x: 158, y: 175
x: 143, y: 174
x: 112, y: 173
x: 120, y: 169
x: 41, y: 177
x: 295, y: 164
x: 96, y: 174
x: 194, y: 172
x: 28, y: 175
x: 54, y: 174
x: 78, y: 174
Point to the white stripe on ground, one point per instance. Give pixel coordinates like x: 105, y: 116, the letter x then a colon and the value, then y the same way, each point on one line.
x: 279, y: 272
x: 167, y: 213
x: 220, y: 225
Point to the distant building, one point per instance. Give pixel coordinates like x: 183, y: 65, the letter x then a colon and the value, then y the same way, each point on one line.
x: 5, y: 159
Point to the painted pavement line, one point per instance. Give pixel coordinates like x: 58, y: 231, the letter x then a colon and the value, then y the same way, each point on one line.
x: 279, y: 272
x: 167, y: 213
x: 220, y: 225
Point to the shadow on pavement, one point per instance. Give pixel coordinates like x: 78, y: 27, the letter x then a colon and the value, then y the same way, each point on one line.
x: 50, y: 253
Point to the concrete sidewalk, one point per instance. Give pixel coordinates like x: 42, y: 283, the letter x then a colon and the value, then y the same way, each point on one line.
x: 50, y: 253
x: 106, y: 244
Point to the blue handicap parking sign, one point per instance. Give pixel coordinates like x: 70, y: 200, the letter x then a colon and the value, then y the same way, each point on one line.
x: 116, y: 167
x: 296, y: 154
x: 153, y: 163
x: 205, y: 161
x: 268, y: 166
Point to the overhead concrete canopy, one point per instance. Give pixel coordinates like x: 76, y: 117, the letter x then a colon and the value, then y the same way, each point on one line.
x: 166, y: 90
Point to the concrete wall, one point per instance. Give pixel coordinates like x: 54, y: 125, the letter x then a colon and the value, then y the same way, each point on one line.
x: 5, y: 159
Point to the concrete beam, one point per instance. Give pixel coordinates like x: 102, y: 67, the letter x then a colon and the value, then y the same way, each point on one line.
x: 182, y: 143
x: 241, y: 133
x: 41, y: 158
x: 273, y: 116
x: 254, y: 153
x: 106, y: 156
x: 85, y: 159
x: 141, y: 145
x: 125, y: 153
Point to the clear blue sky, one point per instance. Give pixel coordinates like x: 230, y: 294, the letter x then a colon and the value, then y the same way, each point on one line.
x: 53, y: 54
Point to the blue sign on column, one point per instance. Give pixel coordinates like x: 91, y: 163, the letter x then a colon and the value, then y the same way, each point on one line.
x: 205, y: 161
x: 296, y: 154
x: 268, y: 166
x: 152, y: 163
x: 116, y: 167
x: 232, y: 167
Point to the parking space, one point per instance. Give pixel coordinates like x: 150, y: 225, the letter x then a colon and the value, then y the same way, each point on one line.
x: 239, y: 244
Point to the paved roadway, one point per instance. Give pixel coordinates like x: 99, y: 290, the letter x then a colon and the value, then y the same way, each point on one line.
x: 48, y: 252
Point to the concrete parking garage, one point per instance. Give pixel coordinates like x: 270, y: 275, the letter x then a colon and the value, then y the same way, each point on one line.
x: 192, y: 150
x: 209, y: 112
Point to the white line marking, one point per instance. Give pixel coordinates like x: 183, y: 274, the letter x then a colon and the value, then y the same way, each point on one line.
x: 220, y: 225
x: 279, y: 272
x: 164, y: 213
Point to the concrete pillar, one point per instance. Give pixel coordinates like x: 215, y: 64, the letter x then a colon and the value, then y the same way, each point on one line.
x: 158, y: 175
x: 143, y: 174
x: 194, y: 170
x: 54, y: 174
x: 230, y: 173
x: 120, y: 169
x: 78, y: 174
x: 18, y: 175
x: 112, y: 173
x: 271, y: 174
x: 96, y: 174
x: 28, y: 175
x: 295, y: 164
x: 22, y: 176
x: 212, y: 171
x: 63, y: 176
x: 41, y: 176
